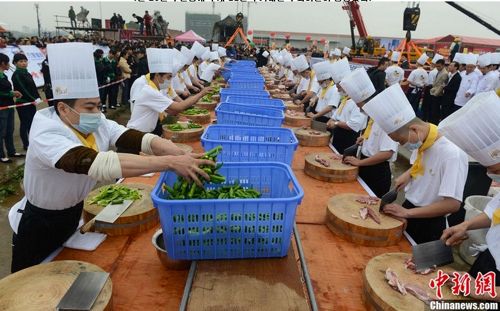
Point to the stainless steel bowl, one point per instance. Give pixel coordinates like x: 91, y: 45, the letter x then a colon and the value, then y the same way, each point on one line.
x: 167, y: 262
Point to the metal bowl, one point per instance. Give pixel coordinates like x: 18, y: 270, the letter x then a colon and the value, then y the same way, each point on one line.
x: 167, y: 262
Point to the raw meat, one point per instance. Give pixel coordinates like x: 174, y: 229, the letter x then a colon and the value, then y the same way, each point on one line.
x: 419, y: 293
x: 415, y: 290
x: 314, y: 133
x: 363, y: 212
x: 367, y: 200
x: 322, y: 161
x: 409, y: 264
x: 393, y: 280
x: 373, y: 215
x: 336, y: 157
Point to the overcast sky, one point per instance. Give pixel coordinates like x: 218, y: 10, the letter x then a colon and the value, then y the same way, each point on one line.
x: 381, y: 18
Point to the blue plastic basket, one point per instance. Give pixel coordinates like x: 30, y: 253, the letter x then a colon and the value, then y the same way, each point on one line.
x: 225, y: 92
x: 251, y: 144
x: 232, y: 228
x: 243, y: 77
x: 250, y: 63
x: 246, y: 85
x: 235, y: 114
x: 256, y: 102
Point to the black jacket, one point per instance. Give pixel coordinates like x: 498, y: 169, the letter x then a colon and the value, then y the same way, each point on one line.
x: 6, y: 98
x: 451, y: 89
x: 24, y: 83
x: 378, y: 79
x: 142, y: 66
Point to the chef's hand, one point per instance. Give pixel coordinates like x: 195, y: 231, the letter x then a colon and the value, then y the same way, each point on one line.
x: 360, y: 140
x: 396, y: 210
x: 455, y: 235
x: 206, y: 90
x: 17, y: 94
x: 402, y: 181
x: 330, y: 124
x: 311, y: 115
x: 188, y: 166
x: 195, y: 89
x: 296, y: 102
x: 353, y: 161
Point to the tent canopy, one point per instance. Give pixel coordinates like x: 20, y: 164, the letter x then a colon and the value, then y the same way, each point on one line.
x: 190, y: 36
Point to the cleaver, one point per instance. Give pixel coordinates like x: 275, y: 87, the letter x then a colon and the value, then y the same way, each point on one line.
x: 388, y: 198
x: 83, y: 292
x: 108, y: 214
x: 430, y: 254
x: 350, y: 151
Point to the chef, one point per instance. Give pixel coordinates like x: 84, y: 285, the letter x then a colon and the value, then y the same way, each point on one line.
x: 308, y: 86
x: 417, y: 81
x: 476, y: 129
x: 185, y: 73
x: 223, y: 56
x: 151, y: 96
x: 434, y: 184
x: 348, y: 120
x: 394, y: 74
x: 192, y: 70
x: 468, y: 85
x: 489, y: 80
x: 205, y: 60
x: 460, y: 58
x: 377, y: 148
x: 178, y: 81
x: 210, y: 72
x: 334, y: 55
x: 346, y: 52
x: 69, y: 153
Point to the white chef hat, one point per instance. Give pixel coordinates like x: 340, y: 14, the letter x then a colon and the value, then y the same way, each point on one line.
x: 475, y: 128
x: 215, y: 47
x: 214, y: 56
x: 206, y: 54
x: 188, y: 54
x: 346, y: 50
x: 437, y: 57
x: 323, y: 70
x: 198, y: 49
x: 335, y: 52
x: 287, y: 60
x: 484, y: 60
x: 221, y: 51
x: 340, y: 69
x: 265, y: 54
x: 469, y: 59
x: 160, y: 60
x: 459, y: 58
x: 72, y: 70
x: 179, y: 59
x: 395, y: 56
x: 390, y: 109
x: 422, y: 59
x: 301, y: 63
x: 209, y: 72
x: 292, y: 65
x: 495, y: 58
x: 358, y: 85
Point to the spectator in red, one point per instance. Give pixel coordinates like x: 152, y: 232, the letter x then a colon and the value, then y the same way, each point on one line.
x: 148, y: 20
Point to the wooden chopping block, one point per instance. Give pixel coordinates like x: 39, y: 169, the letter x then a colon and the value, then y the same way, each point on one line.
x: 270, y: 87
x: 336, y: 172
x: 185, y: 148
x: 203, y: 118
x: 307, y: 138
x: 340, y: 211
x: 291, y: 106
x: 184, y: 136
x: 139, y: 217
x: 216, y: 98
x: 41, y: 287
x: 204, y: 105
x: 281, y: 87
x: 283, y: 96
x: 378, y: 295
x: 297, y: 121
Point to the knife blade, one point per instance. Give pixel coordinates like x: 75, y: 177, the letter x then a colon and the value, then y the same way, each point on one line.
x: 84, y: 291
x: 109, y: 214
x: 430, y: 254
x: 351, y: 151
x: 388, y: 198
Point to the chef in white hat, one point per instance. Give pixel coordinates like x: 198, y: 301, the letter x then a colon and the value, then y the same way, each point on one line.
x: 210, y: 73
x: 197, y: 49
x: 328, y: 98
x: 178, y: 82
x: 470, y: 78
x: 417, y: 80
x: 334, y: 55
x: 489, y: 80
x: 377, y: 148
x: 190, y: 80
x: 156, y: 94
x: 435, y: 183
x: 347, y: 121
x: 476, y: 129
x: 394, y: 74
x: 70, y: 152
x: 308, y: 86
x: 205, y: 60
x: 346, y: 52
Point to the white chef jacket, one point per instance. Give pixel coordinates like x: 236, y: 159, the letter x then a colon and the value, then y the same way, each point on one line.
x: 432, y: 76
x: 332, y: 98
x: 304, y: 83
x: 290, y: 76
x: 46, y: 186
x: 394, y: 74
x: 178, y: 85
x: 379, y: 141
x: 446, y: 168
x: 202, y: 67
x: 149, y: 103
x: 281, y: 72
x: 467, y: 85
x: 493, y: 235
x: 487, y: 82
x: 418, y: 77
x: 187, y: 79
x: 351, y: 115
x: 192, y: 71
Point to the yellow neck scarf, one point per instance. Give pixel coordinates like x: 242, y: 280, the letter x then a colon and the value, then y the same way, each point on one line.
x: 311, y: 76
x: 180, y: 77
x: 88, y: 141
x: 342, y: 104
x: 161, y: 116
x: 496, y: 217
x: 368, y: 130
x: 325, y: 90
x: 418, y: 167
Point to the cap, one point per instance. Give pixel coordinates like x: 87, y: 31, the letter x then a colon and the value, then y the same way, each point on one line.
x: 340, y: 69
x: 422, y: 59
x: 395, y: 56
x: 209, y: 72
x: 346, y: 50
x: 323, y: 70
x: 214, y: 56
x: 215, y: 47
x: 335, y: 52
x: 469, y: 59
x: 198, y: 49
x: 160, y: 60
x: 484, y: 60
x: 358, y: 85
x: 265, y: 54
x: 459, y: 58
x: 301, y: 63
x: 188, y: 54
x: 437, y: 57
x: 221, y: 51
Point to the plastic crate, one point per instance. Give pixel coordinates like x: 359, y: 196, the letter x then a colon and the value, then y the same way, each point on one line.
x: 232, y: 228
x: 246, y: 85
x: 256, y: 102
x: 251, y: 144
x: 250, y: 63
x: 249, y: 77
x: 235, y: 114
x: 225, y: 92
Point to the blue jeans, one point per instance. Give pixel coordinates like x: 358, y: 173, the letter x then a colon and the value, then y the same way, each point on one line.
x: 7, y: 132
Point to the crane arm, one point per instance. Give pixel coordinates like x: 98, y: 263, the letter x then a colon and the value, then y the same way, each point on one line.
x: 473, y: 16
x: 358, y: 18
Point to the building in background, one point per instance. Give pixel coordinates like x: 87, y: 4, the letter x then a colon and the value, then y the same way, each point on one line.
x: 202, y: 24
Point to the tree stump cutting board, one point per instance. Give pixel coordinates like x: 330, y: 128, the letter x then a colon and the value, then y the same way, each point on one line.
x: 184, y: 136
x: 291, y: 106
x: 41, y: 287
x: 283, y: 96
x: 298, y: 120
x: 378, y: 295
x: 312, y: 138
x: 209, y: 106
x: 340, y: 211
x: 202, y: 118
x: 336, y: 172
x: 139, y: 217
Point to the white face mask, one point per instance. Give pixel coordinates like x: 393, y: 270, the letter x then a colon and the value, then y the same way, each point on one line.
x: 164, y: 85
x: 494, y: 177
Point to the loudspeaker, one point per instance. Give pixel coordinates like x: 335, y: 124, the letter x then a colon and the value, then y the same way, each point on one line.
x: 410, y: 19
